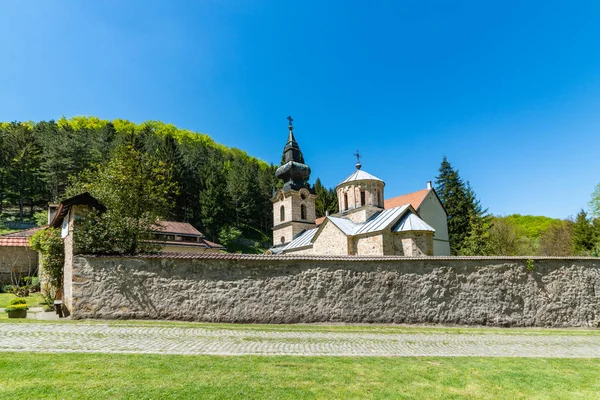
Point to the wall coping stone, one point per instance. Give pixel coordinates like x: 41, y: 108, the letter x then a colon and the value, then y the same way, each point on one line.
x: 349, y: 258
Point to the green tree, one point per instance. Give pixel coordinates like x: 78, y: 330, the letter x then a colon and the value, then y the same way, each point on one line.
x: 509, y: 239
x: 326, y: 200
x: 467, y: 220
x: 584, y: 235
x: 556, y: 240
x: 213, y: 201
x: 25, y: 187
x: 136, y: 189
x: 595, y: 202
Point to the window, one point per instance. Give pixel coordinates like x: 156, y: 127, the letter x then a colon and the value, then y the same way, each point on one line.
x: 345, y: 201
x: 282, y: 213
x: 379, y: 197
x: 302, y: 196
x: 302, y: 211
x: 362, y: 197
x: 283, y: 239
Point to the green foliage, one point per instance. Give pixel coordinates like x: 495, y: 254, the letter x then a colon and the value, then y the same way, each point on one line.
x: 41, y: 218
x: 218, y: 186
x: 228, y: 236
x: 595, y: 202
x: 529, y: 265
x: 17, y: 304
x: 137, y: 190
x: 326, y: 200
x: 468, y: 222
x: 584, y: 237
x: 50, y: 245
x: 556, y: 240
x: 509, y: 239
x: 529, y: 225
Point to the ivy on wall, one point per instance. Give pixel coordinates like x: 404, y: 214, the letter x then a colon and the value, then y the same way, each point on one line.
x: 50, y: 245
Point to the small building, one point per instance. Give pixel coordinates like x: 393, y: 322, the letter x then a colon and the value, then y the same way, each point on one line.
x: 181, y: 237
x: 364, y: 226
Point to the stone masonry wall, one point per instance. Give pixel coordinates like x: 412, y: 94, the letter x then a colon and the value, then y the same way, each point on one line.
x: 19, y: 260
x: 279, y: 289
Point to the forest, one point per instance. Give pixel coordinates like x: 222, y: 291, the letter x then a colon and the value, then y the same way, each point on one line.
x: 181, y: 175
x: 215, y: 188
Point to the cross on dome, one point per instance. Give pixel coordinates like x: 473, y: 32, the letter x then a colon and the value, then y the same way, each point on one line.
x: 358, y: 156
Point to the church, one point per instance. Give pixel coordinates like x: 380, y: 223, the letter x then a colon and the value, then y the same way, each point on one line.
x: 411, y: 225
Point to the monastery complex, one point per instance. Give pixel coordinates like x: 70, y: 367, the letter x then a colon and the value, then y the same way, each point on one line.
x: 410, y: 225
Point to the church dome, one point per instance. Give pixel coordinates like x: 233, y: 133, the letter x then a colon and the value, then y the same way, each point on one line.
x: 359, y: 190
x: 360, y: 176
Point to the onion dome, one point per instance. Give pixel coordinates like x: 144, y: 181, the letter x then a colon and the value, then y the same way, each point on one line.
x: 292, y: 171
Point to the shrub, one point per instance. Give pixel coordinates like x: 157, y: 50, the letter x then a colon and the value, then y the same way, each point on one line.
x: 51, y: 248
x: 17, y: 304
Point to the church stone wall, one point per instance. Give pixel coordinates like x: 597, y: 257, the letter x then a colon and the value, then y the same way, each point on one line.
x: 278, y: 289
x: 331, y: 241
x: 369, y: 245
x: 413, y: 244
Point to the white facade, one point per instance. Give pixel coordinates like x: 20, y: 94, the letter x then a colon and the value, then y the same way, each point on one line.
x: 431, y: 211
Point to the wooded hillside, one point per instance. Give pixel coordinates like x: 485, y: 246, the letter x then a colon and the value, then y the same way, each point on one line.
x: 217, y: 186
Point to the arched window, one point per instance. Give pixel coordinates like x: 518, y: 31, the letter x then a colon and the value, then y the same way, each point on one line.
x: 345, y: 201
x: 302, y: 211
x: 283, y: 239
x: 282, y: 213
x: 362, y: 198
x: 379, y: 197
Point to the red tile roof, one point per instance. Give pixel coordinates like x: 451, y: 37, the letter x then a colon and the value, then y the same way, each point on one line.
x: 14, y: 241
x: 414, y: 199
x: 182, y: 228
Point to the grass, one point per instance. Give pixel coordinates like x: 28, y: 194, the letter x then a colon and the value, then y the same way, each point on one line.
x: 101, y: 376
x: 339, y: 328
x: 33, y: 300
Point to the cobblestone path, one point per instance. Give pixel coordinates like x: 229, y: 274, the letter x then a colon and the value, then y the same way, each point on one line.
x: 100, y: 338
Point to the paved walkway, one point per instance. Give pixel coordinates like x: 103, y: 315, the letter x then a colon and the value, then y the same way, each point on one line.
x: 99, y: 338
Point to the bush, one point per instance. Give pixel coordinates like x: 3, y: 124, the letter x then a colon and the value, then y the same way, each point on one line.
x: 17, y: 305
x: 51, y: 248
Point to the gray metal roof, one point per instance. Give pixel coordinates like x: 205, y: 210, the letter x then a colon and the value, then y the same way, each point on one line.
x: 381, y: 220
x: 303, y: 239
x: 346, y: 225
x: 360, y: 175
x: 378, y: 222
x: 411, y: 222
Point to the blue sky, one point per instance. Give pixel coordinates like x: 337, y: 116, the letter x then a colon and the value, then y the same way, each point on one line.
x: 509, y: 92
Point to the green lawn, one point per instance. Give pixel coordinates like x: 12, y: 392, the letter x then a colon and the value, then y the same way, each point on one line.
x: 33, y: 300
x: 101, y: 376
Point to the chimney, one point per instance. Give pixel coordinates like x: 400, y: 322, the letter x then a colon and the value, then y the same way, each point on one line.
x: 52, y: 209
x: 429, y: 185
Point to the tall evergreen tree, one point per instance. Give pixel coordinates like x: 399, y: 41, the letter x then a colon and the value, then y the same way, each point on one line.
x: 453, y: 195
x: 468, y: 222
x: 584, y: 235
x: 326, y: 199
